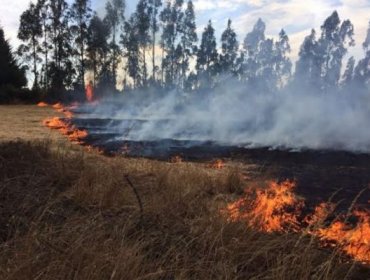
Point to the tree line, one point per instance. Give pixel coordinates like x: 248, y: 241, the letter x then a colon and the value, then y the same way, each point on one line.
x: 158, y: 46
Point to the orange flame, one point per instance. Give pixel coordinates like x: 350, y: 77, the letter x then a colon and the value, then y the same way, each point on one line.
x: 68, y: 114
x: 58, y: 106
x: 77, y: 135
x: 66, y: 128
x: 354, y: 240
x: 321, y: 213
x: 42, y: 104
x: 278, y: 209
x: 57, y: 123
x: 90, y: 92
x: 266, y: 210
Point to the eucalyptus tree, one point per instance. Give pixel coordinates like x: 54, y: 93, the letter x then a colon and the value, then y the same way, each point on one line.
x: 142, y: 26
x: 62, y: 71
x: 43, y: 6
x: 348, y: 75
x: 115, y: 17
x: 207, y: 57
x: 10, y: 72
x: 308, y: 69
x: 283, y: 66
x: 189, y: 38
x: 251, y: 48
x: 97, y: 46
x: 336, y: 37
x: 229, y: 50
x: 130, y: 41
x: 171, y: 18
x: 80, y: 16
x: 362, y: 70
x: 30, y: 31
x: 154, y: 6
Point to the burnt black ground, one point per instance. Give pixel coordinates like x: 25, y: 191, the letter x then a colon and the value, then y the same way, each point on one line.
x: 339, y: 176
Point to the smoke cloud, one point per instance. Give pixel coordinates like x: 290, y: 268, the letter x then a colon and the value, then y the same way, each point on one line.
x: 238, y: 116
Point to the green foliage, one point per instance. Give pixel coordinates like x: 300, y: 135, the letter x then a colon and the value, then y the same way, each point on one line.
x: 207, y: 58
x: 131, y: 44
x: 66, y: 43
x: 80, y: 14
x: 10, y: 72
x: 229, y: 53
x: 97, y: 47
x: 30, y: 30
x: 114, y: 18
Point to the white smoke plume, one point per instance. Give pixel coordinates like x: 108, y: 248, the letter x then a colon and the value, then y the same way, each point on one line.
x: 236, y: 116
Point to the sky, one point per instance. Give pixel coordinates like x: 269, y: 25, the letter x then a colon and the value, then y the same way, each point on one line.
x: 297, y: 17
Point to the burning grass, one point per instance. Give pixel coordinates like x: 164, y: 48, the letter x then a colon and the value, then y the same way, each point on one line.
x: 65, y: 127
x: 276, y: 208
x: 42, y: 104
x: 72, y: 215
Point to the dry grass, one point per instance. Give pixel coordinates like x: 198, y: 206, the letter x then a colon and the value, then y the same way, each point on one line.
x: 65, y: 214
x: 24, y: 122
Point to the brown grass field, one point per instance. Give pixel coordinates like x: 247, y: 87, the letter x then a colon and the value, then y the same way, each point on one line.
x: 66, y: 213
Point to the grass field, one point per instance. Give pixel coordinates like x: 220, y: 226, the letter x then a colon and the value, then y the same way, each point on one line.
x: 69, y: 214
x: 23, y: 122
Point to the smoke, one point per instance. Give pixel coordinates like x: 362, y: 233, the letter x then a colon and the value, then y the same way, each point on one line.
x: 238, y: 116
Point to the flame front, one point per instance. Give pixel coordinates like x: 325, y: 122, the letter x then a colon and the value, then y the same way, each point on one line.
x: 65, y: 126
x: 354, y: 240
x: 277, y: 209
x: 42, y: 104
x: 90, y: 93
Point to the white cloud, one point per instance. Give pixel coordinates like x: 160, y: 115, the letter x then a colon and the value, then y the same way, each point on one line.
x: 206, y: 5
x: 10, y: 11
x: 297, y: 17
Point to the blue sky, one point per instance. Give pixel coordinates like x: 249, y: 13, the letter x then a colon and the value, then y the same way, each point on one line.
x: 297, y: 17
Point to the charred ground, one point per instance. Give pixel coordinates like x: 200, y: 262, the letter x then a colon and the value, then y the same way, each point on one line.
x: 334, y: 175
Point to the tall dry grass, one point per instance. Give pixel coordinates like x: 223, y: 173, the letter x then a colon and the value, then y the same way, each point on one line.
x: 70, y: 215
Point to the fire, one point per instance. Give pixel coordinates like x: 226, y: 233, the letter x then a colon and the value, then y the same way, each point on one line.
x: 68, y: 114
x: 353, y: 239
x: 275, y: 208
x: 77, y: 135
x: 217, y: 164
x: 66, y: 128
x: 321, y: 213
x: 92, y: 149
x: 90, y: 92
x: 58, y: 106
x: 42, y: 104
x: 56, y: 123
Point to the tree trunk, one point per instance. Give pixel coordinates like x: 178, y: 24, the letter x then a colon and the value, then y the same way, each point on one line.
x: 46, y: 58
x: 82, y: 50
x: 35, y: 84
x: 162, y: 67
x: 114, y: 57
x: 145, y: 69
x: 153, y: 48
